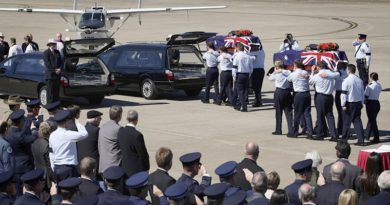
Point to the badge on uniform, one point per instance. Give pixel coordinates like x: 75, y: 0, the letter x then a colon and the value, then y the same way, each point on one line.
x: 9, y: 150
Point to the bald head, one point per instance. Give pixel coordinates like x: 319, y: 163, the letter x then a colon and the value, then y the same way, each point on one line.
x: 337, y: 171
x: 252, y: 150
x: 59, y: 36
x: 384, y: 181
x: 306, y: 193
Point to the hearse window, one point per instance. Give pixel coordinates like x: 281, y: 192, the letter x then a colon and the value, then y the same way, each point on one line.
x: 184, y: 57
x: 83, y: 65
x: 142, y: 58
x: 32, y: 66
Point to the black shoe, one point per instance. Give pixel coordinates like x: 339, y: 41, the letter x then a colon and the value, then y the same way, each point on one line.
x: 244, y: 110
x: 292, y: 136
x: 318, y: 138
x: 333, y: 139
x: 205, y: 101
x: 276, y: 133
x: 309, y: 137
x: 237, y: 108
x: 216, y: 103
x: 375, y: 141
x: 256, y: 105
x: 362, y: 144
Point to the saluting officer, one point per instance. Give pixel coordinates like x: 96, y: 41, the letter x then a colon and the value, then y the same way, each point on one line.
x: 225, y: 61
x: 302, y: 98
x: 212, y: 73
x: 324, y: 82
x: 363, y: 57
x: 138, y: 188
x: 302, y: 171
x: 372, y: 93
x: 52, y: 109
x: 7, y: 187
x: 341, y: 68
x: 258, y: 72
x: 33, y: 184
x: 33, y: 108
x: 352, y: 102
x: 242, y: 69
x: 282, y: 97
x: 226, y: 173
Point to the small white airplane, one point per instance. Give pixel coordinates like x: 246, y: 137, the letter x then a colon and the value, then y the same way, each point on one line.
x: 98, y: 22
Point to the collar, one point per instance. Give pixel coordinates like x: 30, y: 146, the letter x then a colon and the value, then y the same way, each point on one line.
x: 161, y: 169
x: 250, y: 160
x: 308, y: 203
x: 130, y: 125
x: 32, y: 193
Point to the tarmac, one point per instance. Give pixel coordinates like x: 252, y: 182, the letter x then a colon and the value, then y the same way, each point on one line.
x: 185, y: 124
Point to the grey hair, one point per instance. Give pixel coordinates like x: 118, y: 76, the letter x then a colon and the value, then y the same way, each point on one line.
x: 115, y: 112
x: 306, y: 193
x: 132, y: 116
x: 315, y: 156
x: 384, y: 180
x: 337, y: 170
x: 260, y: 182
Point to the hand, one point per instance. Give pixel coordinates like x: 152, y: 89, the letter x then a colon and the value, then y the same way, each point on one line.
x: 248, y: 175
x: 344, y: 108
x: 53, y: 189
x: 157, y: 192
x: 202, y: 170
x: 323, y: 75
x: 58, y: 71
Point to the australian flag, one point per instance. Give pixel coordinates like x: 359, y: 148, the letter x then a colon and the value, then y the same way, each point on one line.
x: 288, y: 57
x: 230, y: 42
x: 330, y: 58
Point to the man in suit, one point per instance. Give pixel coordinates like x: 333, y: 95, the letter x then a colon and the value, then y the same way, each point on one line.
x: 161, y: 177
x: 53, y: 63
x: 33, y: 184
x: 88, y: 185
x: 113, y: 177
x: 383, y: 198
x: 329, y: 193
x: 249, y: 162
x: 343, y: 150
x: 88, y: 147
x: 302, y: 171
x: 108, y: 140
x: 307, y: 194
x: 135, y: 157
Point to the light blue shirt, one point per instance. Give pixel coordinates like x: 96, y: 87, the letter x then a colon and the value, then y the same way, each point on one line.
x: 339, y: 81
x: 259, y: 58
x: 7, y: 160
x: 300, y: 83
x: 225, y: 61
x: 244, y: 62
x: 63, y: 144
x: 373, y: 91
x: 324, y: 85
x: 280, y: 79
x: 211, y: 58
x: 352, y: 90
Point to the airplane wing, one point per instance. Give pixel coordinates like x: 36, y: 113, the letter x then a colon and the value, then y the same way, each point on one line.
x: 154, y: 10
x: 37, y: 10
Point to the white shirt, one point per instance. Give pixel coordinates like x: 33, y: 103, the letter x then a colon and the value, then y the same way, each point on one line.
x: 286, y: 47
x: 29, y: 49
x: 352, y: 90
x: 339, y: 81
x: 259, y: 58
x: 363, y: 51
x: 300, y: 84
x: 225, y: 61
x: 60, y: 48
x: 211, y: 58
x: 280, y: 79
x: 63, y: 144
x: 15, y: 50
x: 324, y: 85
x: 244, y: 62
x: 373, y: 91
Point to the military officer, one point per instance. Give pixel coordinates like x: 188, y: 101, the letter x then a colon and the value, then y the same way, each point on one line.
x: 363, y: 57
x: 138, y: 188
x: 7, y: 159
x: 33, y: 184
x: 177, y: 193
x: 88, y: 200
x: 216, y: 193
x: 113, y: 177
x: 258, y: 72
x: 212, y: 73
x: 226, y: 65
x: 7, y: 187
x: 352, y: 102
x: 373, y: 106
x: 68, y: 189
x: 323, y: 82
x: 13, y: 103
x: 341, y: 68
x: 191, y: 168
x: 52, y: 109
x: 33, y: 108
x: 226, y: 173
x: 302, y: 171
x: 237, y: 198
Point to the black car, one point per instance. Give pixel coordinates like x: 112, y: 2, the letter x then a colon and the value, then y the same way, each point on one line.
x: 150, y: 68
x: 83, y: 75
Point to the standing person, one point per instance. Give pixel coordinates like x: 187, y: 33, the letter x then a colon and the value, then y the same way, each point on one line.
x: 113, y: 177
x: 352, y: 103
x: 324, y: 82
x: 26, y: 42
x: 383, y: 198
x: 242, y: 69
x: 307, y: 194
x: 259, y: 183
x: 4, y: 48
x: 88, y: 147
x: 302, y: 171
x: 212, y: 73
x: 63, y: 144
x: 68, y: 190
x: 363, y: 57
x: 138, y: 188
x: 282, y: 97
x: 60, y: 44
x: 7, y: 187
x: 7, y: 160
x: 341, y: 68
x: 53, y: 63
x: 35, y: 44
x: 161, y: 177
x: 289, y: 43
x: 34, y: 185
x: 75, y: 112
x: 52, y: 109
x: 329, y: 193
x: 226, y: 65
x: 302, y: 98
x: 108, y: 140
x: 372, y: 93
x: 88, y: 171
x: 15, y: 49
x: 215, y: 193
x: 226, y: 173
x: 348, y: 197
x: 258, y: 72
x: 33, y: 108
x: 31, y: 47
x: 135, y: 157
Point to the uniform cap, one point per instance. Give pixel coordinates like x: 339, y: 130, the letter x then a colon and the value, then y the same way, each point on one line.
x: 88, y: 200
x: 17, y: 114
x: 6, y: 176
x: 137, y: 180
x: 61, y: 115
x: 93, y: 113
x: 32, y: 175
x: 113, y: 173
x: 176, y: 191
x: 69, y: 183
x: 53, y: 106
x: 361, y: 35
x: 216, y: 191
x: 302, y: 166
x: 190, y: 158
x: 226, y: 169
x: 259, y: 201
x: 33, y: 103
x: 237, y: 198
x: 13, y: 100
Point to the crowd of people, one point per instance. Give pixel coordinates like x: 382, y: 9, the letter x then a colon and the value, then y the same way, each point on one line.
x: 292, y: 94
x: 61, y: 161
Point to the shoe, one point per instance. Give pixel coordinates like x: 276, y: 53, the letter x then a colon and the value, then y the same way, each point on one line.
x: 318, y: 138
x: 362, y: 144
x: 216, y: 103
x: 237, y: 108
x: 228, y: 104
x: 303, y: 131
x: 309, y: 137
x: 256, y: 105
x: 375, y: 141
x: 276, y: 133
x: 205, y: 101
x: 244, y: 110
x: 333, y: 139
x: 292, y: 136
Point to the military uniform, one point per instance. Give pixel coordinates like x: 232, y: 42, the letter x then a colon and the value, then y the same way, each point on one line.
x: 112, y: 174
x: 216, y: 192
x: 258, y: 74
x: 373, y: 107
x: 337, y: 100
x: 226, y: 65
x: 238, y: 198
x: 226, y: 173
x: 71, y: 186
x: 29, y: 197
x: 52, y: 109
x: 6, y: 177
x: 212, y: 74
x: 7, y: 159
x: 138, y: 181
x: 292, y: 189
x: 363, y: 58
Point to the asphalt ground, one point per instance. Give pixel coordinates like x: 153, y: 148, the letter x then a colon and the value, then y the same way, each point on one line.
x: 220, y: 133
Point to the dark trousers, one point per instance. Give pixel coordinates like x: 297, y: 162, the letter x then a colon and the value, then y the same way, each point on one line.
x: 241, y: 90
x: 53, y: 89
x: 257, y: 83
x: 352, y: 115
x: 324, y: 107
x: 212, y: 79
x: 302, y: 103
x: 372, y: 108
x: 363, y: 72
x: 226, y: 85
x: 283, y: 102
x: 340, y: 112
x: 62, y: 172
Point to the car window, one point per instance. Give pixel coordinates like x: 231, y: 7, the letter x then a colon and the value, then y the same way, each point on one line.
x: 31, y: 66
x: 83, y: 65
x: 140, y: 58
x: 184, y: 56
x: 8, y: 63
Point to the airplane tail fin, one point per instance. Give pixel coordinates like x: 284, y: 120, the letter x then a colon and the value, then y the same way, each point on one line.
x: 139, y: 15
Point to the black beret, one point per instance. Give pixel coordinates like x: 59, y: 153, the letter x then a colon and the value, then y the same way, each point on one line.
x: 93, y: 113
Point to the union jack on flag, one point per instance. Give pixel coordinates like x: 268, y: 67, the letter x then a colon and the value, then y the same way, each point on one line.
x: 312, y: 57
